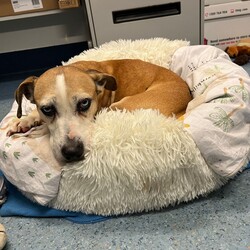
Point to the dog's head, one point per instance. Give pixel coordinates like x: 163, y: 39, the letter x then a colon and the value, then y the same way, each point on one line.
x: 67, y: 100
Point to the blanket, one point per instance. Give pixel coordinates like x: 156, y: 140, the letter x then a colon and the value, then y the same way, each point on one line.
x: 218, y: 117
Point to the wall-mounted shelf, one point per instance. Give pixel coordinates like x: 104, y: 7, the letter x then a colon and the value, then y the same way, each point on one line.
x: 43, y: 29
x: 30, y: 15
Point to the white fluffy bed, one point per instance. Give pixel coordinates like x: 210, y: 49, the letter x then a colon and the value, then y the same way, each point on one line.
x: 143, y: 161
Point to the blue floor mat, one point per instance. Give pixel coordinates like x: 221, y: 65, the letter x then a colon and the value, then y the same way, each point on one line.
x: 18, y: 205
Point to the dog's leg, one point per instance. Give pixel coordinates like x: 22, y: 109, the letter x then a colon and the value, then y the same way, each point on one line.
x: 168, y: 101
x: 25, y: 123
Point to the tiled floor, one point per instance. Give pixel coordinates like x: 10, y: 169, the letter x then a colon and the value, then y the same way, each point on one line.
x: 219, y: 221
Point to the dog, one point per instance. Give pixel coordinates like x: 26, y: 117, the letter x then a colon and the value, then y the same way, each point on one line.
x: 68, y: 97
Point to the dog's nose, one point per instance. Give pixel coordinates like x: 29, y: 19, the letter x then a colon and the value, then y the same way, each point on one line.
x: 73, y: 150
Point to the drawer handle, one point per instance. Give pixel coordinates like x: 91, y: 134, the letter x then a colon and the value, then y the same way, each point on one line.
x: 122, y: 16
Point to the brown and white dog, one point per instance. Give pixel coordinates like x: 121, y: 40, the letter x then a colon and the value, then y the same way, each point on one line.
x: 68, y: 98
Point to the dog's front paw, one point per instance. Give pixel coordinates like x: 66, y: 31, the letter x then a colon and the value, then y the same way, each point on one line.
x: 21, y: 125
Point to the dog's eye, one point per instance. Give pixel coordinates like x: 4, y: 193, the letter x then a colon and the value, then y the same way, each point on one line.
x: 48, y: 110
x: 83, y: 105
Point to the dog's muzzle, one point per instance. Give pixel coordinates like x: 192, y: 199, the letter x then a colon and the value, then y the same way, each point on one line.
x: 73, y: 150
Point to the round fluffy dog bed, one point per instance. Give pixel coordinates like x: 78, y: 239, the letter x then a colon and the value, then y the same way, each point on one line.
x: 141, y: 160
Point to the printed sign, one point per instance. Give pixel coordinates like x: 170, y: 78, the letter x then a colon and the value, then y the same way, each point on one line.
x: 24, y: 5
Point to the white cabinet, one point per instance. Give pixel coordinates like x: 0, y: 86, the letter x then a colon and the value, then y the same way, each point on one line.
x: 119, y: 19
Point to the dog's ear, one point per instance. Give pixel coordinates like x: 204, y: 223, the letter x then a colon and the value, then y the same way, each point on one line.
x: 26, y: 88
x: 102, y: 80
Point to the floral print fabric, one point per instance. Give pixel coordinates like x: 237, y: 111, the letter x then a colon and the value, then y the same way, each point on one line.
x: 218, y: 117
